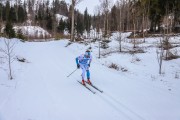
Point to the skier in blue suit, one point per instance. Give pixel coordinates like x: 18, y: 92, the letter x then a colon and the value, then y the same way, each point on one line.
x: 84, y: 62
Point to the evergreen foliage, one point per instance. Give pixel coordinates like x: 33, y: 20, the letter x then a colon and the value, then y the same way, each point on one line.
x: 61, y: 26
x: 9, y: 31
x: 80, y: 25
x: 132, y: 12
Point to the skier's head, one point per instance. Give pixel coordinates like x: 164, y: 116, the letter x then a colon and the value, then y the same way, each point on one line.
x: 87, y: 53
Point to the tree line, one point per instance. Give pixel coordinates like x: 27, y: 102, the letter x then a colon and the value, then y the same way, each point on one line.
x: 139, y: 15
x: 124, y: 15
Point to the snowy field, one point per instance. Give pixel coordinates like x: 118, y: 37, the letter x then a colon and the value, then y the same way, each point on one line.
x: 41, y: 89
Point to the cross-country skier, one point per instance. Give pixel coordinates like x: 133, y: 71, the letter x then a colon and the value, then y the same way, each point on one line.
x: 84, y: 62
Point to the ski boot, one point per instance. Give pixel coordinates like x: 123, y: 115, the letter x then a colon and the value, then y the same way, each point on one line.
x: 88, y: 81
x: 83, y: 82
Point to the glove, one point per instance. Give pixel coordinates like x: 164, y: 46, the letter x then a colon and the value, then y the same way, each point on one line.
x: 78, y: 66
x: 89, y: 65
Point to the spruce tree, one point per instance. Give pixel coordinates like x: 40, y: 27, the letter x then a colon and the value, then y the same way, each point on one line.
x: 22, y: 14
x: 7, y: 9
x: 113, y: 23
x: 49, y: 24
x: 9, y: 31
x: 80, y: 26
x: 86, y: 20
x: 1, y: 11
x: 61, y: 26
x: 12, y: 15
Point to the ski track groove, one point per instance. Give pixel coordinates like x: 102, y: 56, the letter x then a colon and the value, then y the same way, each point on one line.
x: 123, y: 106
x: 46, y: 85
x: 118, y: 106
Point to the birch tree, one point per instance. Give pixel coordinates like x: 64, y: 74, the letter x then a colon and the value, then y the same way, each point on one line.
x: 9, y: 55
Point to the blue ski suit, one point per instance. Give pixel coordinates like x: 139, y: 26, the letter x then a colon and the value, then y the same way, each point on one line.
x: 84, y: 61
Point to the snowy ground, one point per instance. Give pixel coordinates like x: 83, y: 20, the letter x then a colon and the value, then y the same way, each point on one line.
x: 41, y: 90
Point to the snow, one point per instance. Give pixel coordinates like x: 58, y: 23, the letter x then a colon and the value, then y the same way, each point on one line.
x: 41, y: 89
x: 32, y: 31
x: 59, y: 17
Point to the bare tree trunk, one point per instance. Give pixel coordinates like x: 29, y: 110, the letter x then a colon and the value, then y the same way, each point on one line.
x: 120, y: 39
x: 1, y: 17
x: 106, y: 24
x: 127, y: 23
x: 99, y: 48
x: 54, y: 25
x: 167, y: 23
x: 146, y: 17
x: 143, y: 28
x: 72, y: 22
x: 9, y: 63
x: 134, y: 30
x: 120, y: 17
x: 8, y: 51
x: 17, y: 10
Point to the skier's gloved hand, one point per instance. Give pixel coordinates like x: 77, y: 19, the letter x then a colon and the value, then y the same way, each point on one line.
x: 89, y: 65
x: 78, y: 66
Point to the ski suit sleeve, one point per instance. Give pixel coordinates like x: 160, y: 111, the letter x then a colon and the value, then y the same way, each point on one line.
x: 77, y: 60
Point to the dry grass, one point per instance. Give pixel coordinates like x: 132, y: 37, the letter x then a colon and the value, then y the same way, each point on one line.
x: 114, y: 66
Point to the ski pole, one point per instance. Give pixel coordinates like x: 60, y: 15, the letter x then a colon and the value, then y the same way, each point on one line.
x: 72, y: 72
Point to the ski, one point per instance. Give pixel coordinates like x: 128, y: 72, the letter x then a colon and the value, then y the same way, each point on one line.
x: 94, y: 87
x: 87, y: 87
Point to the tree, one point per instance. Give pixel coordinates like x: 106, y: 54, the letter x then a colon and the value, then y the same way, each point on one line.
x: 176, y: 14
x: 9, y: 31
x: 105, y: 7
x: 68, y: 24
x: 8, y: 51
x: 80, y: 26
x: 61, y: 26
x: 49, y: 24
x: 86, y: 20
x: 22, y: 14
x: 1, y: 12
x: 12, y: 15
x: 73, y: 4
x: 63, y: 8
x: 7, y: 9
x: 113, y: 25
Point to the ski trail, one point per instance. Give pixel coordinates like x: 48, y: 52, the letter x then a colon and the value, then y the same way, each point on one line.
x: 119, y: 107
x: 53, y: 99
x: 130, y: 112
x: 110, y: 103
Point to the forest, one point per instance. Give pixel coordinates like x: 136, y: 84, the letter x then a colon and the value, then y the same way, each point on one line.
x: 138, y: 16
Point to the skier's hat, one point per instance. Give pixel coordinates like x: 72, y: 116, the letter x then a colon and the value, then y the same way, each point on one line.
x: 87, y: 52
